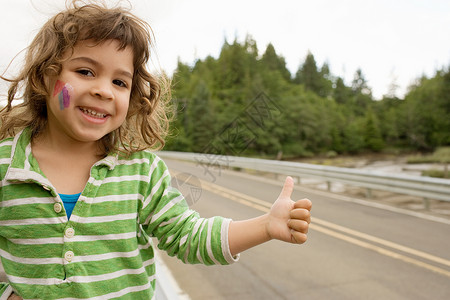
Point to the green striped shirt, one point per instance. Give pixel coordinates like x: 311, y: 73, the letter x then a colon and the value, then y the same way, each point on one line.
x: 104, y: 251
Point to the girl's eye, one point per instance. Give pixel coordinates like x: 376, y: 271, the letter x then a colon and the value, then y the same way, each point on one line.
x: 85, y: 72
x: 119, y: 83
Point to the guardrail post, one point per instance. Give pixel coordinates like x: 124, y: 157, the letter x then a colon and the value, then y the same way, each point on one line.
x: 329, y: 186
x: 369, y: 193
x: 426, y: 203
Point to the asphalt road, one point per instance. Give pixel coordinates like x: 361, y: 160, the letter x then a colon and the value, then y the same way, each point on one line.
x: 354, y: 251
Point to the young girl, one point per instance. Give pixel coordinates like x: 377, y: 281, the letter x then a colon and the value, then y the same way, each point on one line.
x: 80, y: 194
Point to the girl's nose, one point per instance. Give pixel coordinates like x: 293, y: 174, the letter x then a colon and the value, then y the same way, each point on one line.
x: 102, y: 89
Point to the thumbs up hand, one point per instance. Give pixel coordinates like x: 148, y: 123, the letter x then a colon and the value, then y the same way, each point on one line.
x: 289, y: 220
x: 286, y: 221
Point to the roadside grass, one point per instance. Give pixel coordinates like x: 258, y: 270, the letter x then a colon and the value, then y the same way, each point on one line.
x: 441, y: 156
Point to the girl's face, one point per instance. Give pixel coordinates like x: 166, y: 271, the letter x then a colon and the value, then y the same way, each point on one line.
x: 90, y: 97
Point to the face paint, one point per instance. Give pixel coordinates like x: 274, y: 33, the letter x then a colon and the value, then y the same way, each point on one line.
x: 62, y: 89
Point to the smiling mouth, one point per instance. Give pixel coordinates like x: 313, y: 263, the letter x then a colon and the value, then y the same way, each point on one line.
x: 93, y: 113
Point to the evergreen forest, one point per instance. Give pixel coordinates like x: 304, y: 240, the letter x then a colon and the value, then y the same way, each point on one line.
x: 247, y: 103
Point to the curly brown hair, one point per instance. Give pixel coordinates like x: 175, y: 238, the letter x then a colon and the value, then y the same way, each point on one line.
x: 146, y: 123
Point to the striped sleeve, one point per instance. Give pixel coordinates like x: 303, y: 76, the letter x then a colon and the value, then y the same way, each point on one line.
x: 5, y: 290
x: 5, y: 149
x: 181, y: 232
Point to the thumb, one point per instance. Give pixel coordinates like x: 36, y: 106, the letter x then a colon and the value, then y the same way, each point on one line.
x: 288, y: 187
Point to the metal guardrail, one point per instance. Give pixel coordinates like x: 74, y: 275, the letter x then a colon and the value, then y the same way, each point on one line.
x: 426, y: 187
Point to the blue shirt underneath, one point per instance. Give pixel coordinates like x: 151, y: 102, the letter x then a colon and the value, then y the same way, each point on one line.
x: 69, y: 202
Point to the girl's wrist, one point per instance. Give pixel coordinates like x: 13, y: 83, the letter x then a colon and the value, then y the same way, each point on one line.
x: 248, y: 233
x: 265, y: 219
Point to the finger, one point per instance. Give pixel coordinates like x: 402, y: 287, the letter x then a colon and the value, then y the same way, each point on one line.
x: 303, y: 203
x: 288, y: 187
x: 298, y: 225
x: 298, y: 237
x: 301, y: 214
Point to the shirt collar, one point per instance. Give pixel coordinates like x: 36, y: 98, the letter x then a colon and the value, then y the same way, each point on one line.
x: 21, y: 150
x: 22, y: 158
x: 110, y: 161
x: 23, y: 166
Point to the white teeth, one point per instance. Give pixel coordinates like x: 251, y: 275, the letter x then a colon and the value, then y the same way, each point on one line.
x: 92, y: 112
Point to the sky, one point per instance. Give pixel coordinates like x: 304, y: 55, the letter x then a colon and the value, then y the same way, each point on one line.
x: 392, y: 41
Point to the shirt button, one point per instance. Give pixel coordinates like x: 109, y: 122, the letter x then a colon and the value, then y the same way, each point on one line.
x: 68, y: 256
x: 70, y: 232
x: 57, y: 207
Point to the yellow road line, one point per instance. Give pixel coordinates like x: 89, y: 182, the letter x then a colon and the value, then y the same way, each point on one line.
x: 320, y: 225
x: 382, y: 242
x: 379, y: 249
x: 237, y: 197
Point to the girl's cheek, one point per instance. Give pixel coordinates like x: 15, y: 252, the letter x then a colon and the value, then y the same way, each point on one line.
x: 63, y: 91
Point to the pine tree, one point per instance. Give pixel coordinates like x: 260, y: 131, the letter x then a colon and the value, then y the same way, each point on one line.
x: 372, y: 135
x: 200, y: 123
x: 362, y: 95
x: 308, y: 75
x: 341, y: 93
x: 271, y: 61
